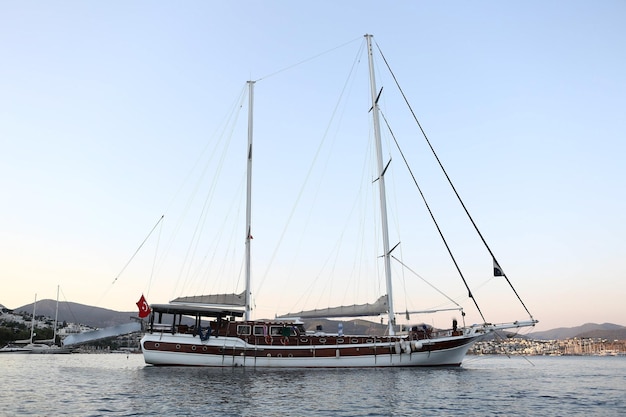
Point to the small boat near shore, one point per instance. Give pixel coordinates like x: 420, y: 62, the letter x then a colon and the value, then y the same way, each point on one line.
x: 30, y: 345
x: 14, y: 348
x: 49, y: 346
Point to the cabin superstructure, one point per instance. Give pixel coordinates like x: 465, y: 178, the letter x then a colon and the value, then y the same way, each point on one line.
x: 212, y: 336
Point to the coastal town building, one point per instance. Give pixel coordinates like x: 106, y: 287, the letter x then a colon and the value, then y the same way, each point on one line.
x: 530, y: 347
x: 505, y: 346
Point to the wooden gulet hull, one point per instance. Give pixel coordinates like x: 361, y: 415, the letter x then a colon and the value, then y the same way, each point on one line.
x: 304, y: 352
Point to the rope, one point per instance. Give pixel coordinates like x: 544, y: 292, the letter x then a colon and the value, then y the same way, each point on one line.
x: 156, y: 251
x: 306, y: 60
x: 450, y: 181
x: 313, y: 162
x: 138, y: 249
x: 429, y: 284
x: 432, y: 216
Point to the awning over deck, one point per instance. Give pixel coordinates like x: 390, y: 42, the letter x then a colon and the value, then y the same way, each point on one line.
x: 215, y: 299
x: 357, y: 310
x: 192, y: 310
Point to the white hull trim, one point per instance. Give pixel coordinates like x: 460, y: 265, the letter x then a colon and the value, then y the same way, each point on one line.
x: 278, y: 357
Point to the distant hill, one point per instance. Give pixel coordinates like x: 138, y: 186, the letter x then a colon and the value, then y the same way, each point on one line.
x: 102, y: 317
x: 619, y: 334
x: 605, y: 331
x: 78, y: 313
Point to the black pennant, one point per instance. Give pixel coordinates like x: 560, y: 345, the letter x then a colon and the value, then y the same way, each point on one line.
x: 497, y: 270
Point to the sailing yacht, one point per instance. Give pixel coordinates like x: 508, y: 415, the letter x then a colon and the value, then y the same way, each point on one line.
x: 218, y: 331
x: 17, y: 346
x: 48, y: 346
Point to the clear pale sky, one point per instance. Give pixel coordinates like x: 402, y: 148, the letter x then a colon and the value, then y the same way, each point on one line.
x: 109, y: 110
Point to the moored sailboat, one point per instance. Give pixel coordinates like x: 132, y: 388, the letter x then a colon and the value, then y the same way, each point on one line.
x: 14, y: 348
x: 217, y: 330
x: 49, y: 346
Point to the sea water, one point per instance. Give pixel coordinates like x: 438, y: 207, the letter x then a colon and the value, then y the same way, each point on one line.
x: 122, y: 385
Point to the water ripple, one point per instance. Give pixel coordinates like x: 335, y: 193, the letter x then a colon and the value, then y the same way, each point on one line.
x: 116, y: 385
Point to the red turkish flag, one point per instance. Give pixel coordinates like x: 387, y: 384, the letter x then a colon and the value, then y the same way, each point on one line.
x: 144, y: 307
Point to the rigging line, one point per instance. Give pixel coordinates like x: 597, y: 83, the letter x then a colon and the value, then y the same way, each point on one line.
x: 334, y: 252
x: 194, y: 243
x: 391, y: 178
x: 395, y: 219
x: 225, y: 141
x: 310, y: 170
x: 138, y: 249
x: 449, y: 180
x: 205, y: 267
x: 225, y: 124
x: 67, y: 303
x: 429, y: 284
x: 499, y: 336
x: 327, y: 261
x: 156, y: 251
x: 218, y: 136
x: 231, y: 245
x: 368, y: 201
x: 432, y: 216
x: 307, y: 59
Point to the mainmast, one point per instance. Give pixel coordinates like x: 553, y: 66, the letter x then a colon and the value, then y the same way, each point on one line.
x: 32, y: 323
x: 56, y: 316
x: 249, y: 199
x: 381, y: 186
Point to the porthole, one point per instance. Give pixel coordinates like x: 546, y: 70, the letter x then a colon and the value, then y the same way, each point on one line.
x: 354, y: 340
x: 339, y: 340
x: 322, y: 340
x: 156, y: 345
x: 193, y: 348
x: 177, y: 346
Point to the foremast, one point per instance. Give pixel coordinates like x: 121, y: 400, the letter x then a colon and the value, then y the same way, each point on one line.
x: 381, y: 186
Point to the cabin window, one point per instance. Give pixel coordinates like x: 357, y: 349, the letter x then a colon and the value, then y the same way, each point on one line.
x: 282, y: 331
x: 259, y: 330
x: 243, y: 329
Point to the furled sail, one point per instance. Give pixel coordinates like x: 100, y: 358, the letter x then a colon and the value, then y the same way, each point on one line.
x: 214, y: 299
x: 357, y: 310
x: 118, y: 330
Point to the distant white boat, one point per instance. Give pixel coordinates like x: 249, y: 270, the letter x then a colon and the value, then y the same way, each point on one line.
x: 14, y: 348
x: 37, y: 346
x: 43, y: 348
x: 48, y: 346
